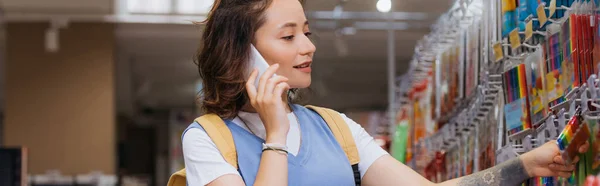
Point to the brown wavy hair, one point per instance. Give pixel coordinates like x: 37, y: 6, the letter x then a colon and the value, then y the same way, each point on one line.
x: 223, y: 56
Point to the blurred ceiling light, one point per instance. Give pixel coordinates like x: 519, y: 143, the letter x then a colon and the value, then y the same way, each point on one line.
x: 169, y: 6
x: 384, y: 5
x: 194, y: 6
x: 149, y: 6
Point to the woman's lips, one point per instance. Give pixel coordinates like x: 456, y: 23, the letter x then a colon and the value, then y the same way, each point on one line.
x: 304, y: 67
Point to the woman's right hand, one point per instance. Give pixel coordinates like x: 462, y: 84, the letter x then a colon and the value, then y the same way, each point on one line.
x: 267, y: 100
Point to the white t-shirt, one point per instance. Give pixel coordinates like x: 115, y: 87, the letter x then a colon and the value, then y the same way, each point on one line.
x: 204, y: 163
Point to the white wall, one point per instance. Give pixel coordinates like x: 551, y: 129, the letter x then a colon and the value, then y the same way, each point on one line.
x: 59, y: 6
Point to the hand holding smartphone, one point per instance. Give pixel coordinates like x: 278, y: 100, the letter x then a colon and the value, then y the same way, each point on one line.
x: 266, y: 97
x: 259, y: 63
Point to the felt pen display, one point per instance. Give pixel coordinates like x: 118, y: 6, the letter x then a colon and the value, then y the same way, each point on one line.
x: 542, y: 181
x: 517, y: 103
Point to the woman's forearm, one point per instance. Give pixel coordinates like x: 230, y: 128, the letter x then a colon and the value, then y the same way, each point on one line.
x: 273, y: 169
x: 510, y: 173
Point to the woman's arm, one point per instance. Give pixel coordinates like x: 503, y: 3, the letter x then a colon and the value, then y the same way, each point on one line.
x: 387, y: 171
x: 543, y: 161
x: 510, y: 173
x: 272, y: 170
x: 206, y: 166
x: 268, y: 100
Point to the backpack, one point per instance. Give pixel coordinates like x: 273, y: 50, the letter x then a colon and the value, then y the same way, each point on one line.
x: 220, y: 134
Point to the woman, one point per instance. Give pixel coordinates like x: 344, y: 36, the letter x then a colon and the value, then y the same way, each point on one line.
x: 265, y: 114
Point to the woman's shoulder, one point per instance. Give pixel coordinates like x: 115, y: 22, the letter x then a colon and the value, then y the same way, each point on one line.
x: 195, y: 134
x: 203, y: 161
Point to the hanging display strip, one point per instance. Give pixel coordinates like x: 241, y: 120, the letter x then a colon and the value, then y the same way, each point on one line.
x: 539, y: 85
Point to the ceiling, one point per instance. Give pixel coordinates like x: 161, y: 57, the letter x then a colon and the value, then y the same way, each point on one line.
x: 162, y: 74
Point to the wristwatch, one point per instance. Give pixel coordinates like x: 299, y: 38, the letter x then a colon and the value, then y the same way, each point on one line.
x: 283, y: 149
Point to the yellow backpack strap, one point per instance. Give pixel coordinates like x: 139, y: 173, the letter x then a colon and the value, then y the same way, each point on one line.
x: 220, y: 134
x: 177, y: 179
x: 340, y: 130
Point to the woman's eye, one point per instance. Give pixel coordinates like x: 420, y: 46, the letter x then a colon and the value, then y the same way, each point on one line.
x: 288, y: 38
x: 308, y: 34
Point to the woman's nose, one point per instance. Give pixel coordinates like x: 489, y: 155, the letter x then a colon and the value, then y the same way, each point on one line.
x: 307, y: 47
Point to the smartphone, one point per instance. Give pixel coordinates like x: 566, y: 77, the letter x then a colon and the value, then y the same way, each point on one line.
x: 258, y: 62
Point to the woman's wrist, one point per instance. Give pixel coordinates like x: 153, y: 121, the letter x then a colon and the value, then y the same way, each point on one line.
x: 528, y: 164
x: 277, y: 138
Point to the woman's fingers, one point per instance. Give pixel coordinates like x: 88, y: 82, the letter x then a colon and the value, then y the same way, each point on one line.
x: 250, y: 88
x: 280, y: 89
x: 584, y: 148
x: 559, y: 160
x: 565, y: 174
x: 575, y: 160
x: 562, y: 168
x: 270, y: 87
x: 262, y: 83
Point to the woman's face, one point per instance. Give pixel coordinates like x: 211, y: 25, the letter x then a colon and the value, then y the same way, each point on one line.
x: 283, y: 39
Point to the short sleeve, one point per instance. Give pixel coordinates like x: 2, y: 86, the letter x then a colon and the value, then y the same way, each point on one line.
x: 203, y: 161
x: 368, y: 149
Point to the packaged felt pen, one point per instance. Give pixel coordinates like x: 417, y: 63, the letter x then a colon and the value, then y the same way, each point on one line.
x: 537, y: 86
x: 522, y: 14
x: 469, y: 153
x: 455, y: 61
x: 595, y: 144
x: 472, y: 60
x: 509, y: 16
x: 596, y: 36
x: 440, y: 165
x: 400, y: 136
x: 585, y: 46
x: 557, y: 72
x: 516, y: 108
x: 568, y: 42
x: 575, y: 134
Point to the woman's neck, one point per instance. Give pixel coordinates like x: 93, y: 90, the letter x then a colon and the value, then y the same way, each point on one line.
x: 249, y: 108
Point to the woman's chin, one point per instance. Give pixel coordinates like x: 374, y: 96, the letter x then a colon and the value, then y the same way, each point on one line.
x: 301, y: 84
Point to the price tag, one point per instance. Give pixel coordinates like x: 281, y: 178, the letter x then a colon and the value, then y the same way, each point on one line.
x: 529, y: 30
x: 515, y: 39
x: 498, y: 52
x: 552, y: 8
x: 541, y: 15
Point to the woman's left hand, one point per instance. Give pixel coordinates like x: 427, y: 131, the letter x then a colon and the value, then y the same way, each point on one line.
x: 546, y: 161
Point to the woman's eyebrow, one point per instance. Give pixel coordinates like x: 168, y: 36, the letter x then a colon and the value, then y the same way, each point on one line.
x: 292, y: 24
